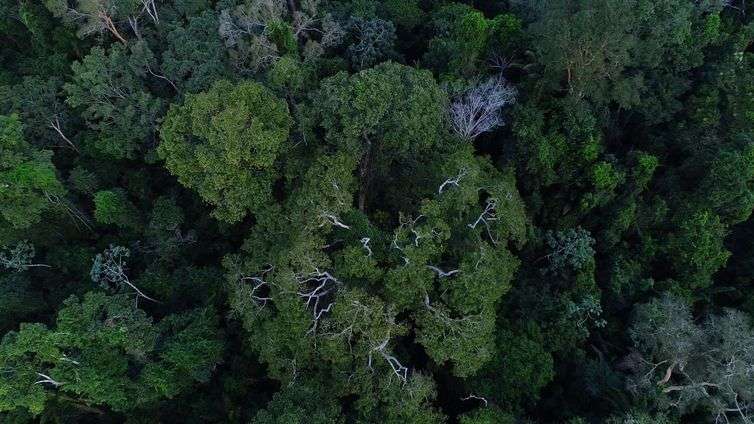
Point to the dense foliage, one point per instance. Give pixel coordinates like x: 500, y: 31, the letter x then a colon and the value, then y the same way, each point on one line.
x: 376, y: 211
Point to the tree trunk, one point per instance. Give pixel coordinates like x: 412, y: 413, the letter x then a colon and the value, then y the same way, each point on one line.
x: 111, y: 27
x: 365, y: 174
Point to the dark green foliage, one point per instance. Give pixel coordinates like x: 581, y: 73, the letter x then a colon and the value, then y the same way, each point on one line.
x: 89, y: 352
x: 193, y: 60
x: 113, y: 101
x: 372, y: 42
x: 111, y: 207
x: 376, y: 211
x: 27, y: 177
x: 225, y: 144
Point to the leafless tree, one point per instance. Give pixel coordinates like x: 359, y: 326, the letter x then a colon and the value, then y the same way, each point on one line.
x: 479, y: 109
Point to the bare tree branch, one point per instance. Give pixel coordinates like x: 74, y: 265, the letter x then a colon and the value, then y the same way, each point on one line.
x: 478, y: 110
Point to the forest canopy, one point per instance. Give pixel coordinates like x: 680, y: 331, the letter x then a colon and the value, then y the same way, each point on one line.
x: 377, y: 211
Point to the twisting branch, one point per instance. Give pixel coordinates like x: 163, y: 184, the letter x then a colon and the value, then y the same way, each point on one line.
x: 452, y: 181
x: 258, y: 284
x: 365, y: 244
x: 46, y: 379
x: 443, y: 274
x: 314, y: 288
x: 55, y: 125
x: 398, y: 369
x: 408, y: 225
x: 332, y: 220
x: 487, y: 215
x: 472, y: 396
x: 395, y: 246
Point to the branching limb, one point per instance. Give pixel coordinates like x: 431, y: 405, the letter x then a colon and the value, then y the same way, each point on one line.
x: 55, y: 125
x: 151, y: 9
x: 314, y: 288
x: 46, y: 379
x: 398, y: 369
x: 487, y: 216
x: 332, y: 219
x: 443, y: 274
x: 475, y: 397
x: 452, y: 181
x: 365, y: 245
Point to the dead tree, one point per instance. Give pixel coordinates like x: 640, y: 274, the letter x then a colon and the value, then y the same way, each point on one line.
x: 479, y: 109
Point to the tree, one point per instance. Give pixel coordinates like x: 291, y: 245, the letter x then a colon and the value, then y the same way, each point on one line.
x: 19, y: 257
x: 260, y: 32
x: 96, y: 16
x: 372, y: 42
x: 570, y: 249
x: 27, y: 177
x: 614, y: 51
x: 103, y: 351
x: 520, y: 367
x: 461, y: 39
x: 697, y: 248
x: 39, y: 104
x: 385, y: 116
x: 226, y: 143
x: 112, y: 207
x: 193, y: 59
x: 109, y: 268
x: 479, y: 109
x: 114, y: 102
x: 694, y: 365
